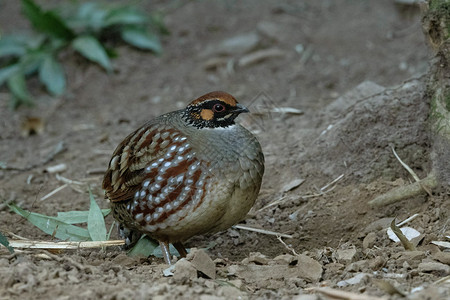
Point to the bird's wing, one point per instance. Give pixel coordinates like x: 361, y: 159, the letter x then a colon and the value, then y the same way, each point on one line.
x: 132, y: 160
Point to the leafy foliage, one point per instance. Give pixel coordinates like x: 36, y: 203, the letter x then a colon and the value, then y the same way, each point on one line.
x: 4, y: 242
x: 63, y: 227
x: 85, y: 28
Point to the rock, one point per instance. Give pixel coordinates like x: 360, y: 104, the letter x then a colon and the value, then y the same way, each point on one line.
x: 270, y: 29
x: 363, y: 90
x: 311, y: 270
x: 357, y: 266
x: 369, y: 240
x: 236, y: 45
x: 305, y: 268
x: 306, y: 297
x: 412, y: 257
x: 292, y: 184
x: 259, y: 56
x: 237, y: 283
x: 285, y: 259
x: 346, y: 255
x: 443, y: 257
x: 408, y: 232
x: 230, y: 292
x: 378, y: 225
x: 210, y: 297
x: 334, y: 268
x: 377, y: 263
x: 184, y: 271
x: 429, y: 292
x: 203, y: 263
x: 257, y: 258
x: 124, y: 260
x: 354, y: 280
x: 434, y: 267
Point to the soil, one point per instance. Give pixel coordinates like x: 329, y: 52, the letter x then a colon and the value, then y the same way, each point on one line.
x: 356, y: 69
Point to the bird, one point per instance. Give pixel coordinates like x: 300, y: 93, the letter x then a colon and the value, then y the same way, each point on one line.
x: 185, y: 173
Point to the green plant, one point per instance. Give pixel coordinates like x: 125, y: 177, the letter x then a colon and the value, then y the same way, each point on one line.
x: 84, y: 28
x: 65, y: 226
x: 4, y: 242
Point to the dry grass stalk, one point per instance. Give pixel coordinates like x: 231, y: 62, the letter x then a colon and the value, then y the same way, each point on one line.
x: 287, y: 246
x: 54, y: 191
x: 28, y: 244
x: 263, y: 231
x: 410, y: 171
x: 403, y: 192
x: 403, y: 239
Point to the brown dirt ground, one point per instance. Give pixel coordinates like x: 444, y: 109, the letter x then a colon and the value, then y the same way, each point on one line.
x: 357, y: 69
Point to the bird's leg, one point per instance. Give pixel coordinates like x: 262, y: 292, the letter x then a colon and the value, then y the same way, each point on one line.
x: 180, y: 248
x: 165, y: 252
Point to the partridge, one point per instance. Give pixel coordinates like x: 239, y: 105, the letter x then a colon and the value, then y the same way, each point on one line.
x: 185, y: 173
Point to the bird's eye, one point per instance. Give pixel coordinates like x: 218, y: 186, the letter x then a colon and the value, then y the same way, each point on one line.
x: 218, y: 107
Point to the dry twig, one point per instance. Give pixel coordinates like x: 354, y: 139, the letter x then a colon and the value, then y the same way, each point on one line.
x: 54, y: 191
x: 263, y: 231
x: 403, y: 192
x: 287, y: 246
x: 28, y: 244
x: 410, y: 171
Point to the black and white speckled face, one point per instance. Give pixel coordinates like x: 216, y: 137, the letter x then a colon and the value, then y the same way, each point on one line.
x: 214, y: 110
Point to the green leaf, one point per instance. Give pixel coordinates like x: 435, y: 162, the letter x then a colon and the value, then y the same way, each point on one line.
x: 108, y: 235
x: 141, y: 38
x: 77, y: 216
x: 52, y: 75
x: 18, y: 87
x: 31, y: 61
x: 4, y: 242
x: 11, y: 45
x: 46, y: 21
x: 173, y: 251
x: 90, y: 47
x: 7, y: 72
x: 144, y: 247
x: 125, y: 16
x: 91, y: 15
x: 96, y: 222
x: 53, y: 226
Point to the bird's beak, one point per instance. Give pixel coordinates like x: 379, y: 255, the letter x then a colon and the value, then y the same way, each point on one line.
x: 241, y: 109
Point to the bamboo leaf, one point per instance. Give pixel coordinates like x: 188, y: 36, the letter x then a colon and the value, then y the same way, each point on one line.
x: 53, y: 226
x: 4, y: 242
x: 52, y: 75
x: 77, y: 216
x: 90, y: 47
x: 96, y: 222
x: 144, y: 247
